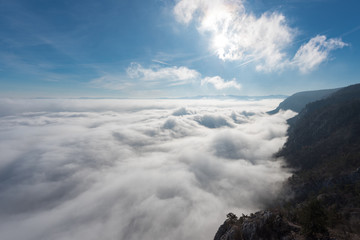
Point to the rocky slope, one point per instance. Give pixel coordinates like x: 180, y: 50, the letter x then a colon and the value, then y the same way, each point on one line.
x: 323, y: 148
x: 260, y: 225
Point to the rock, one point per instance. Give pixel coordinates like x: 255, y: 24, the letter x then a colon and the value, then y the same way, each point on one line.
x: 223, y: 229
x: 261, y: 225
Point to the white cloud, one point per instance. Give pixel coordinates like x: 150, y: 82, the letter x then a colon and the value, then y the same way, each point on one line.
x: 112, y: 82
x: 134, y: 169
x: 170, y: 75
x: 219, y: 83
x: 138, y: 77
x: 313, y: 53
x: 238, y: 35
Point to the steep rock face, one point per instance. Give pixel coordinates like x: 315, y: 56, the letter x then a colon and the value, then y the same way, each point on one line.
x: 298, y: 101
x: 228, y: 231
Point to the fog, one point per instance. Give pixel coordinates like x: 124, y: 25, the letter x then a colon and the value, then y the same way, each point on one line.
x: 135, y: 169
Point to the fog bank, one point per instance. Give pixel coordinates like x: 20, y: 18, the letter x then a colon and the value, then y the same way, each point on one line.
x: 134, y: 169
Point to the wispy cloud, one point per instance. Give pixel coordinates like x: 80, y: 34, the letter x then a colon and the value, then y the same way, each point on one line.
x: 171, y: 76
x: 238, y: 35
x: 357, y: 28
x: 313, y: 53
x: 41, y: 70
x: 138, y: 77
x: 111, y: 82
x: 220, y: 83
x: 155, y: 76
x: 161, y: 62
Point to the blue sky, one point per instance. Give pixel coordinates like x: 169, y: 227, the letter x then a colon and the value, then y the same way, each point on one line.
x: 160, y: 48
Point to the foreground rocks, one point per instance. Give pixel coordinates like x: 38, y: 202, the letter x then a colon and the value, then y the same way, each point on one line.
x: 260, y: 225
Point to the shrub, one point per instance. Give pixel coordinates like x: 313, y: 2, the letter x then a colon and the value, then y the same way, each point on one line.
x: 313, y: 220
x: 232, y: 217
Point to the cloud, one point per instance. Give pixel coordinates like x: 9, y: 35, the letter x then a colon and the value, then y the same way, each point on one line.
x: 211, y: 121
x: 170, y: 124
x: 161, y: 62
x: 170, y: 75
x: 132, y: 169
x: 181, y: 112
x: 316, y: 51
x: 219, y: 83
x: 138, y: 77
x: 112, y: 82
x: 238, y: 35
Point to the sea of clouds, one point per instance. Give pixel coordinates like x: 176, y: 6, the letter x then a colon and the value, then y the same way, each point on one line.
x: 134, y: 169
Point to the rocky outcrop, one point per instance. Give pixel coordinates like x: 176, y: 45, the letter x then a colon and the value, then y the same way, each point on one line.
x: 260, y: 225
x: 228, y: 231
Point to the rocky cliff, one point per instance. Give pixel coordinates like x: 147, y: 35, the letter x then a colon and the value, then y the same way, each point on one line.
x: 323, y: 148
x: 260, y: 225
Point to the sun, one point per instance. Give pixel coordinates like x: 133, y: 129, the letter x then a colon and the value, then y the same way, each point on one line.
x: 220, y: 41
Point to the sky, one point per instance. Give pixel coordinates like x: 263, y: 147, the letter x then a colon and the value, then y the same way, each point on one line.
x: 182, y: 48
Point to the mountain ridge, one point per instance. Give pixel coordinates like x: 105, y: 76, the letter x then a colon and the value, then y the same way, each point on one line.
x: 299, y: 100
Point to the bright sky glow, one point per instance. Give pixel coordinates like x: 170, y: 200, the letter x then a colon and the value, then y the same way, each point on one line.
x: 176, y: 48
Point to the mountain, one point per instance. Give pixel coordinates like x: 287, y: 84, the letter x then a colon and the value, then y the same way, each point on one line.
x: 323, y: 148
x: 298, y: 101
x: 325, y: 131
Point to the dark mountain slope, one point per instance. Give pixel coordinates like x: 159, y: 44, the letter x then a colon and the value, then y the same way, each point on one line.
x: 324, y: 149
x: 326, y: 132
x: 298, y: 101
